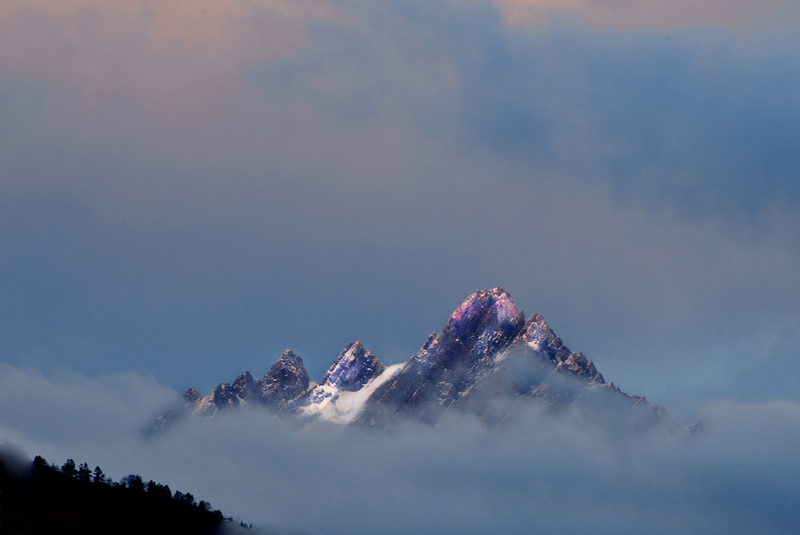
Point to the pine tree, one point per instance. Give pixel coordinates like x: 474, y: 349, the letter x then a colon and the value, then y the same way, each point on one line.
x: 84, y: 474
x: 99, y: 476
x: 134, y: 482
x: 68, y: 468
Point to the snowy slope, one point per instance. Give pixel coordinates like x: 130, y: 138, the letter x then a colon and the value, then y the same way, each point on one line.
x: 338, y: 406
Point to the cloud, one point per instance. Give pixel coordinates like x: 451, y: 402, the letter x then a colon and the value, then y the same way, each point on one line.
x: 636, y: 187
x: 67, y: 408
x: 632, y: 14
x: 191, y: 188
x: 174, y: 57
x: 702, y: 118
x: 540, y: 474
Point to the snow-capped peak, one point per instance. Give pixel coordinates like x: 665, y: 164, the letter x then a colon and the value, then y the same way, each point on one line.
x: 353, y: 368
x: 338, y: 406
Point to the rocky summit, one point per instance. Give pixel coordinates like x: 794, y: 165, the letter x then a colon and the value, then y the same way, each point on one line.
x: 353, y: 368
x: 487, y: 361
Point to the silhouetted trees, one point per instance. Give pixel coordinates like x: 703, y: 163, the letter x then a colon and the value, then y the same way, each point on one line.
x: 84, y: 474
x: 98, y: 476
x: 68, y: 468
x: 161, y: 492
x: 133, y: 482
x: 70, y: 499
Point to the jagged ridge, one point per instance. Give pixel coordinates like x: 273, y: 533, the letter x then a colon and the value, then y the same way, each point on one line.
x: 286, y: 381
x: 484, y: 361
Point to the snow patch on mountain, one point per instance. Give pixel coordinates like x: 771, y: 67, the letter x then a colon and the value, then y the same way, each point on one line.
x: 485, y: 359
x: 338, y: 406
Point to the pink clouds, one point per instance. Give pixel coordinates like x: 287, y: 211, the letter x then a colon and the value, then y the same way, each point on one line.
x: 630, y: 14
x: 170, y: 56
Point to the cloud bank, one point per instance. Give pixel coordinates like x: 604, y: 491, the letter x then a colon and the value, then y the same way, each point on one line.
x: 637, y: 14
x: 539, y: 475
x: 191, y: 192
x: 189, y: 188
x: 170, y: 56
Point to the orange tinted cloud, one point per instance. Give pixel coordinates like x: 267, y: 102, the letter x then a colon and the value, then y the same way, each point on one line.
x: 629, y: 14
x: 166, y: 54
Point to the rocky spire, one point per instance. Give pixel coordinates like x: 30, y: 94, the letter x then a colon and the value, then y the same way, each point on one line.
x: 484, y: 361
x: 191, y: 395
x: 353, y: 368
x: 285, y: 380
x: 485, y: 324
x: 539, y: 337
x: 245, y: 387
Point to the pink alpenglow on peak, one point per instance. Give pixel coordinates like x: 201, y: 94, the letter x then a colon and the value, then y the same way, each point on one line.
x: 495, y: 307
x: 486, y: 361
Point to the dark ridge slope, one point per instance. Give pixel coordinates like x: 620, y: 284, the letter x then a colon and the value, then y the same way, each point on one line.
x: 37, y: 499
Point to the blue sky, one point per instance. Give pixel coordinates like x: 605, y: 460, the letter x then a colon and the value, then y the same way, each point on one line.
x: 188, y: 189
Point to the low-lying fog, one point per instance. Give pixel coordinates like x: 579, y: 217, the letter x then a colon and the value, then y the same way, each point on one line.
x: 536, y: 476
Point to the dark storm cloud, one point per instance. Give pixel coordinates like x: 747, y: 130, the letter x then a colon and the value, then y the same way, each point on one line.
x: 538, y: 475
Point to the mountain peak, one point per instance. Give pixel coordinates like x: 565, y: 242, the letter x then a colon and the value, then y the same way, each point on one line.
x: 245, y: 387
x: 485, y: 322
x: 539, y: 337
x: 493, y: 307
x: 191, y: 395
x: 346, y: 386
x: 285, y: 380
x: 483, y: 361
x: 353, y: 368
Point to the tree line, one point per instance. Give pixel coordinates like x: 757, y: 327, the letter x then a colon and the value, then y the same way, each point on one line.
x: 133, y: 482
x: 72, y: 498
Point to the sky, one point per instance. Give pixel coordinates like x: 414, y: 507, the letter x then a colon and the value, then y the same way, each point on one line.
x: 190, y: 187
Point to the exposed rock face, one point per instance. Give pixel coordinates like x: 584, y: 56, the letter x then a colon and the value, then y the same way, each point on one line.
x: 246, y: 388
x: 191, y: 395
x: 286, y: 380
x: 353, y: 368
x: 486, y: 361
x: 445, y: 367
x: 541, y: 338
x: 351, y: 379
x: 223, y: 394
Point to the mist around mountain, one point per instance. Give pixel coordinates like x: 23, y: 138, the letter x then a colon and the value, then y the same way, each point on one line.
x: 494, y: 426
x: 489, y: 360
x: 544, y: 474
